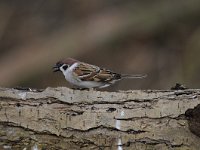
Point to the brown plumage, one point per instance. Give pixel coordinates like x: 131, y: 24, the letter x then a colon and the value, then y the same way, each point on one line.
x: 87, y: 75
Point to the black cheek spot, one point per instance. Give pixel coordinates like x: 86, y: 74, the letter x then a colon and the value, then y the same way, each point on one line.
x: 65, y: 67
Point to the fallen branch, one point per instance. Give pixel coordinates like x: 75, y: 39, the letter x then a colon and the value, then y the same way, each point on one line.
x: 61, y: 118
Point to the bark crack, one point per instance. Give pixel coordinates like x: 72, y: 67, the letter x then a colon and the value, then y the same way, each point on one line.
x: 61, y: 118
x: 101, y: 127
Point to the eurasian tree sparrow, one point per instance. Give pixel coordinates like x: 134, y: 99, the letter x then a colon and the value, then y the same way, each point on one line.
x: 85, y: 75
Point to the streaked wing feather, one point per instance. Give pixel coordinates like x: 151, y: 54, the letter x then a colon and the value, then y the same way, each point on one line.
x: 87, y: 72
x: 104, y: 75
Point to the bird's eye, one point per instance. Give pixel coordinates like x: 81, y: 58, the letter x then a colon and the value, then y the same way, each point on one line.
x: 65, y: 67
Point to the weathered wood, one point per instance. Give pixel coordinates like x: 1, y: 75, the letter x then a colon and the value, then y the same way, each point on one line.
x: 61, y: 118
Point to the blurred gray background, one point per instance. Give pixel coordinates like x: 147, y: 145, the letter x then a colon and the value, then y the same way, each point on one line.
x: 158, y: 38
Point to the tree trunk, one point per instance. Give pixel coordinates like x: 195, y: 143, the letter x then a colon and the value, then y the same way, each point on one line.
x: 61, y: 118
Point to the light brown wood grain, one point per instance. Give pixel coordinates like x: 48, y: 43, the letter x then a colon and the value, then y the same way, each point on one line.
x: 62, y: 118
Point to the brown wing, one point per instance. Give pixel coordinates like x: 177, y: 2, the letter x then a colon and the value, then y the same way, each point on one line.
x: 87, y: 72
x: 105, y: 75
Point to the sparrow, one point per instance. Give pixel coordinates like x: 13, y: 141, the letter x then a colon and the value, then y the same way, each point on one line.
x: 86, y: 76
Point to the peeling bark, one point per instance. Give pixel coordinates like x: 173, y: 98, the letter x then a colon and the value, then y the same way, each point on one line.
x: 61, y: 118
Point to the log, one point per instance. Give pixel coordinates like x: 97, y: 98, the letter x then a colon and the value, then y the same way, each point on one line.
x: 66, y: 119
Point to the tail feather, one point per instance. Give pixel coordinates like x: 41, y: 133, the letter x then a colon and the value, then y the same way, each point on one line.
x: 137, y: 76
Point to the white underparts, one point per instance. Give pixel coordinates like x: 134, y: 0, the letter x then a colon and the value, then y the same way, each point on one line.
x: 75, y: 80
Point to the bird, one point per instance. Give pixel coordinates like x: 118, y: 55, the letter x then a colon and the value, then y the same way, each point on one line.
x: 87, y: 76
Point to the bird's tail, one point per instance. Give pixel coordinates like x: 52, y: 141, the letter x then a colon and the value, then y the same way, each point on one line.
x: 137, y: 76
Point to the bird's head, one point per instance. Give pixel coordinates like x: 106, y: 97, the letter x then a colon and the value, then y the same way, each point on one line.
x: 63, y: 65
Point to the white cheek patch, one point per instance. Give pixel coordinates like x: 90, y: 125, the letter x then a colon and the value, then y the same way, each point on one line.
x: 64, y: 68
x: 69, y: 75
x: 61, y: 69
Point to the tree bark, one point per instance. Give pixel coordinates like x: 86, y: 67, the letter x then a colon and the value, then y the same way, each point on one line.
x: 66, y: 119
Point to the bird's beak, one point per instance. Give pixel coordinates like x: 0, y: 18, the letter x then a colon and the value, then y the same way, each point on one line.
x: 56, y: 68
